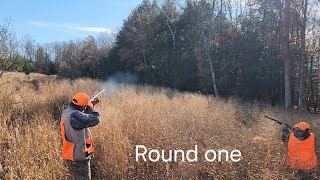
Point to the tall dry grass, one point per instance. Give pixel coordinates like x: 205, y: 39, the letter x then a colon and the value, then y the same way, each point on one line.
x: 157, y: 118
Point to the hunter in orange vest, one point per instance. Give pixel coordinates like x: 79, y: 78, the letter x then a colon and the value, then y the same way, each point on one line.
x: 77, y: 148
x: 301, y: 149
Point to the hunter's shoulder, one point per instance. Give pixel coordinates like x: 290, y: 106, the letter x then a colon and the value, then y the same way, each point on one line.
x: 312, y: 135
x: 68, y: 109
x: 77, y: 114
x: 66, y: 113
x: 80, y: 120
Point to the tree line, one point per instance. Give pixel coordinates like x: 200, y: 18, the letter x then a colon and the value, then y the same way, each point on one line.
x: 75, y: 58
x: 265, y: 50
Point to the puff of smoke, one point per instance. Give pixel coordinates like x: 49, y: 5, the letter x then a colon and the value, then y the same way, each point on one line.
x: 117, y: 81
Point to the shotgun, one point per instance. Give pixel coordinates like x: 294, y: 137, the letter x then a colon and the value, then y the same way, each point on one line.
x: 280, y: 122
x: 95, y: 96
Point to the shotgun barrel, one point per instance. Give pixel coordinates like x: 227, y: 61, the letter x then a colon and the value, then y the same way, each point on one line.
x: 280, y: 122
x: 95, y: 96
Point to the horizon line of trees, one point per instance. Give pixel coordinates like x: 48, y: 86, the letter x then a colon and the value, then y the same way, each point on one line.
x: 266, y: 50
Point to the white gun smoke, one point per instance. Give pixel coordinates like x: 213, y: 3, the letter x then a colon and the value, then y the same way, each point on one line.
x: 116, y: 82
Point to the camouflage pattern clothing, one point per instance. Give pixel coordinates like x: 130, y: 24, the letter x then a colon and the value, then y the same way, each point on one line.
x: 78, y: 170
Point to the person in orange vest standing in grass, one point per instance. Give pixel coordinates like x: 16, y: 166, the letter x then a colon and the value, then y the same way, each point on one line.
x: 302, y: 156
x: 77, y: 149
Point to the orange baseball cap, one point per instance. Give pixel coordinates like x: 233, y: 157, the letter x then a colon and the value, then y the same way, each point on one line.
x: 302, y: 125
x: 81, y: 99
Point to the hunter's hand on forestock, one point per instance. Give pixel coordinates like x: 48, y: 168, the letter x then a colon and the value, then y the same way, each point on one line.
x: 95, y: 101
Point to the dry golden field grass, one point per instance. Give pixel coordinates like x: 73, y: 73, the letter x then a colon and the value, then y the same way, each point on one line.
x: 30, y: 141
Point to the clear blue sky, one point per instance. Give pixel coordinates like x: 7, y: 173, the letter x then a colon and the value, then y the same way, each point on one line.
x: 63, y: 20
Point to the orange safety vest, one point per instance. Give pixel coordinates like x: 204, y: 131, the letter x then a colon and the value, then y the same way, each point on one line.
x: 301, y: 154
x: 68, y: 147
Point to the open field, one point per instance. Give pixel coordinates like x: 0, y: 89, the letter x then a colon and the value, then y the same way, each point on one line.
x: 157, y: 118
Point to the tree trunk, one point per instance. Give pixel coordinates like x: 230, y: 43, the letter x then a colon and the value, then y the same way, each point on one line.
x: 311, y: 99
x: 279, y: 49
x: 301, y: 105
x: 285, y: 55
x: 207, y: 48
x: 173, y: 58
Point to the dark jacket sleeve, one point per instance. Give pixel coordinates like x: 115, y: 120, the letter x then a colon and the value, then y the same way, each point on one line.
x: 285, y: 134
x: 80, y: 120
